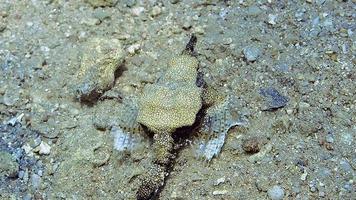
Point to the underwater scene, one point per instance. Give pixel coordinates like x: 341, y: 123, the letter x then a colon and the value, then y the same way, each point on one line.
x: 177, y: 99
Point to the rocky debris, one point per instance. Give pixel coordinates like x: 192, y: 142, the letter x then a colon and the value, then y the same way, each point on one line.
x: 18, y: 161
x: 8, y: 165
x: 101, y: 3
x: 15, y: 120
x: 3, y: 24
x: 251, y: 145
x: 276, y: 192
x: 273, y: 99
x: 251, y: 53
x: 44, y: 148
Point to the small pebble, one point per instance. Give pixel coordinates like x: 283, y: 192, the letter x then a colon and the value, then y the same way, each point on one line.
x: 174, y: 1
x: 3, y: 24
x: 329, y: 137
x: 312, y: 186
x: 219, y: 181
x: 303, y: 177
x: 11, y: 96
x: 251, y: 53
x: 251, y: 145
x: 8, y: 165
x: 199, y: 30
x: 272, y: 19
x: 156, y: 11
x: 36, y: 181
x: 137, y: 11
x: 45, y: 149
x: 276, y: 192
x: 27, y: 197
x: 187, y: 25
x: 133, y: 48
x: 220, y: 192
x: 273, y: 99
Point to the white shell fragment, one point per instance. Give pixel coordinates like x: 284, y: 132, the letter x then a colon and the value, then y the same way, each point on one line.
x: 124, y: 141
x: 217, y: 123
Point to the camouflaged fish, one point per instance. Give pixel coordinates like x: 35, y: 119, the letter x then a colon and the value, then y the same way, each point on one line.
x: 171, y: 103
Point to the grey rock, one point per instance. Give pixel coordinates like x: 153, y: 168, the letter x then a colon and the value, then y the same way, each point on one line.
x: 345, y: 166
x: 175, y: 1
x: 276, y: 192
x: 35, y: 181
x: 101, y: 14
x: 128, y: 3
x: 329, y: 137
x: 273, y: 99
x: 8, y: 165
x: 21, y: 174
x: 313, y: 186
x: 253, y: 11
x: 251, y: 53
x: 348, y: 187
x: 27, y: 197
x: 11, y: 96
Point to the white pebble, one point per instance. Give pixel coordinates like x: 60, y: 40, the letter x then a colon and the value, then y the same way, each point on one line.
x: 276, y: 192
x: 133, y: 48
x: 137, y: 11
x: 45, y: 149
x: 272, y: 19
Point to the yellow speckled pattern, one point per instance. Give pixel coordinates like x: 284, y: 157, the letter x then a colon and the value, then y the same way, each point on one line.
x: 174, y: 100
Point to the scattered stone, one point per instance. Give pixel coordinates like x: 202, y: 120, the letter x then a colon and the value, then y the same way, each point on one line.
x: 345, y: 166
x: 35, y: 142
x: 253, y: 11
x: 175, y: 1
x: 91, y: 21
x: 44, y: 149
x: 187, y: 25
x: 156, y: 10
x: 219, y: 181
x: 101, y: 3
x: 220, y: 192
x: 199, y: 30
x: 262, y: 184
x: 35, y: 181
x: 136, y: 11
x: 329, y: 137
x: 304, y: 105
x: 128, y: 3
x: 276, y: 192
x: 3, y: 24
x: 273, y: 99
x: 15, y: 120
x: 132, y: 49
x: 101, y: 14
x: 27, y: 197
x: 251, y: 145
x: 303, y: 177
x: 312, y: 185
x: 251, y: 53
x: 8, y: 165
x: 11, y: 96
x: 272, y: 19
x: 258, y: 156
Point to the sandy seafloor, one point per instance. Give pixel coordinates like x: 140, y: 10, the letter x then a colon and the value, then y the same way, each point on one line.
x: 50, y: 148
